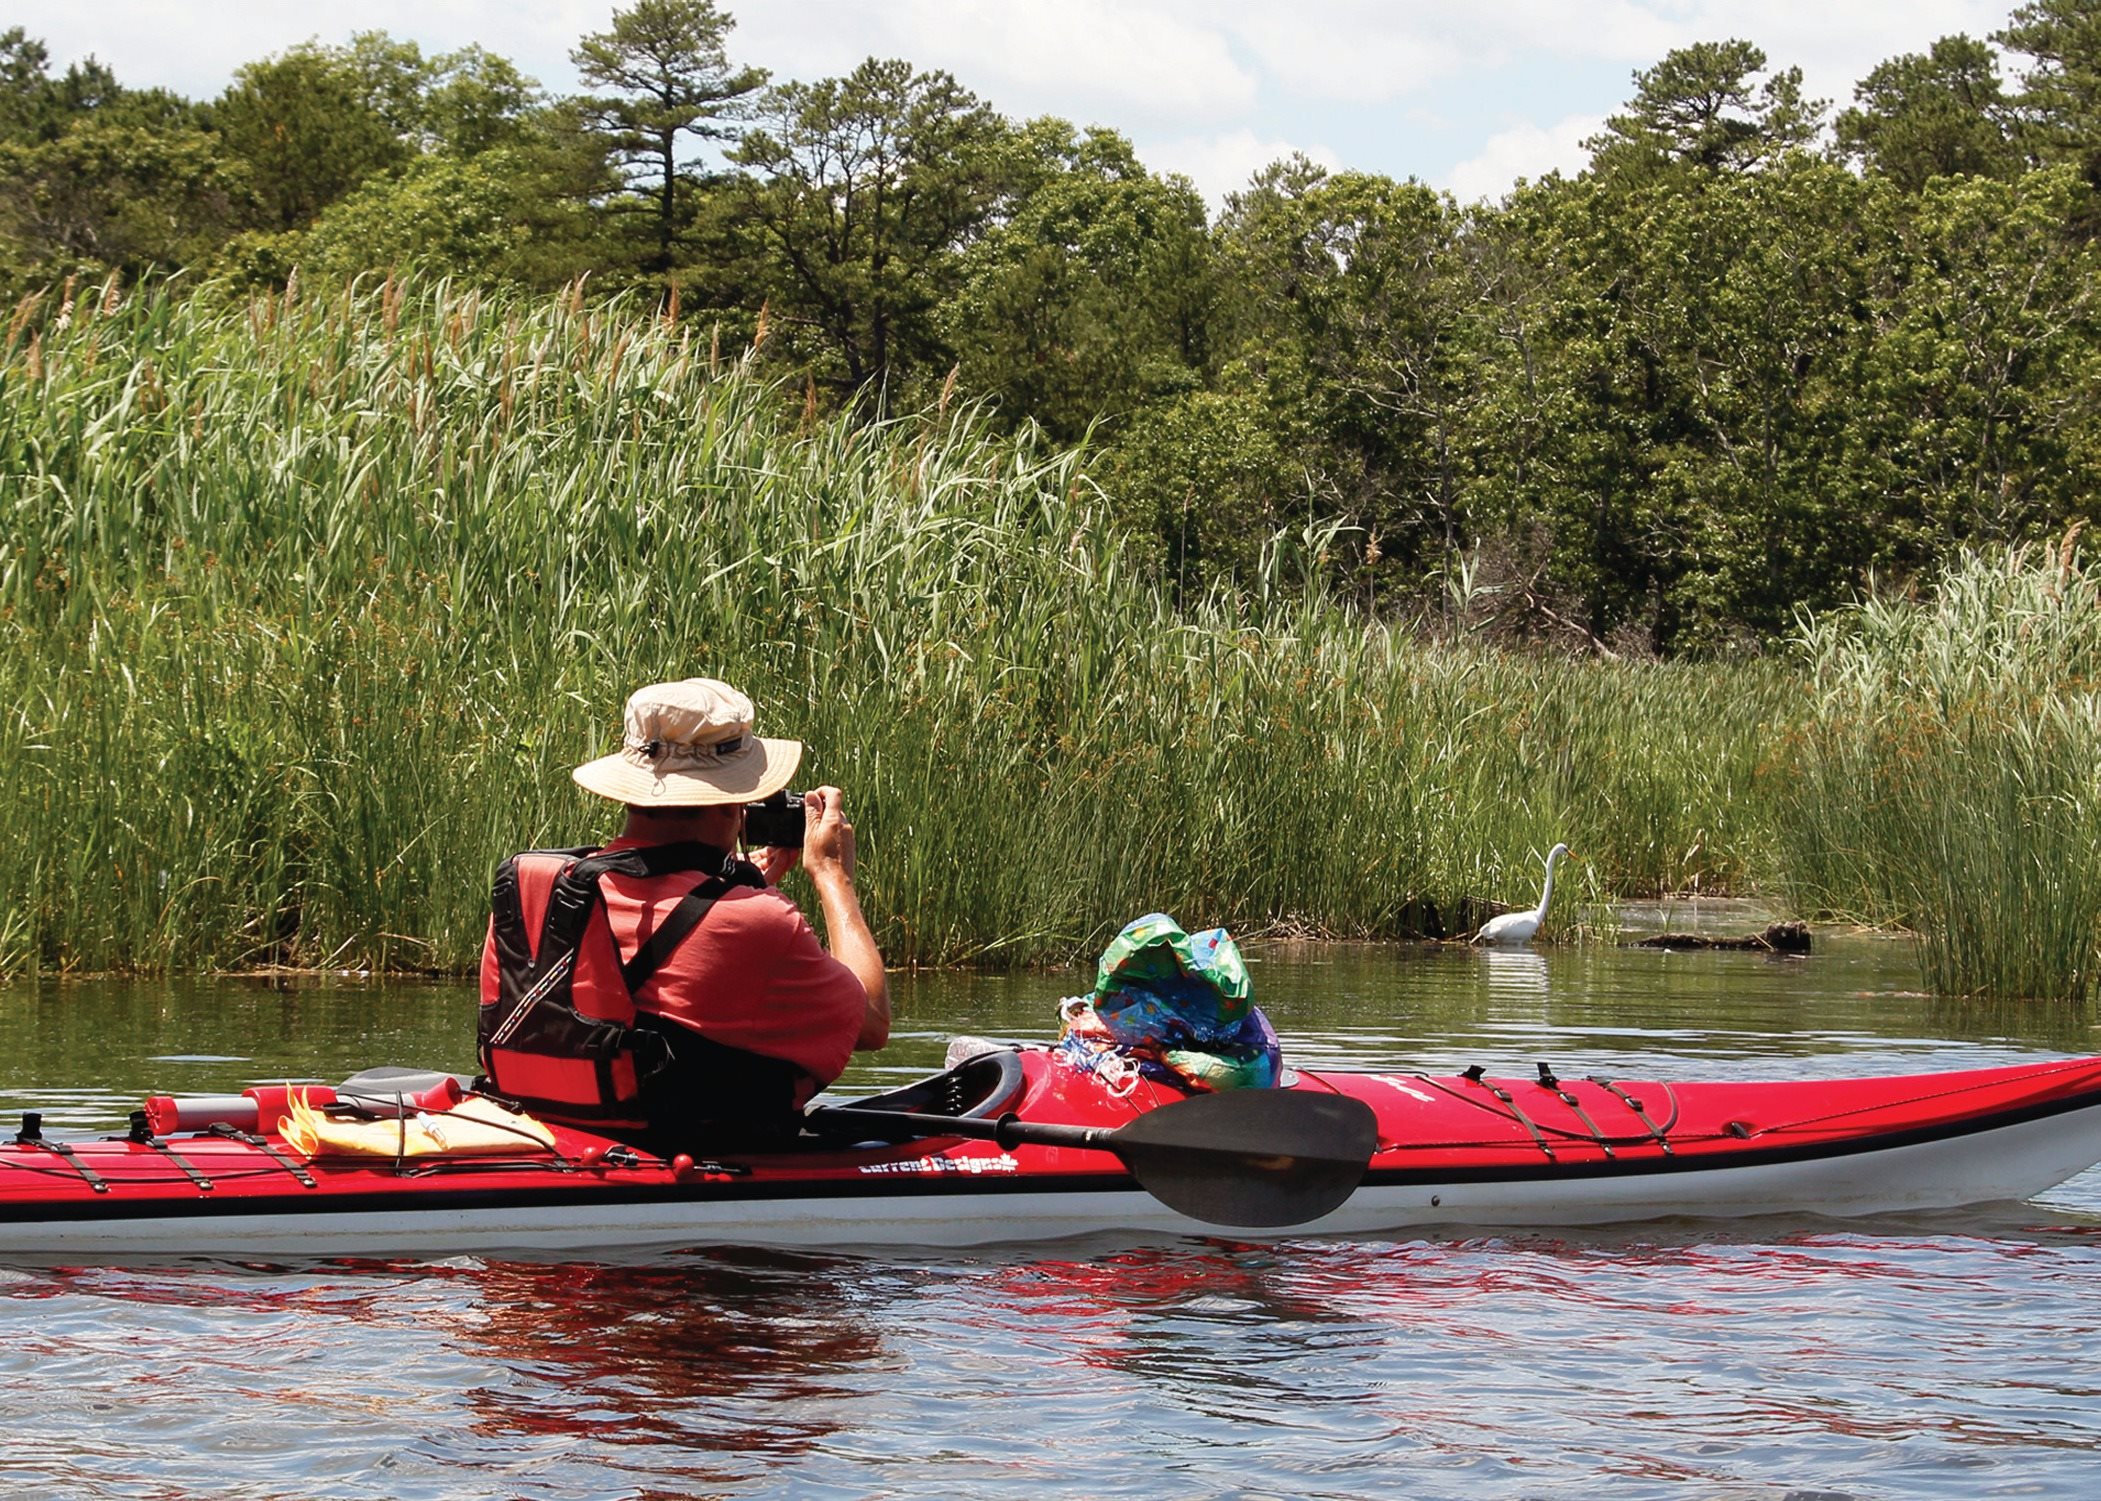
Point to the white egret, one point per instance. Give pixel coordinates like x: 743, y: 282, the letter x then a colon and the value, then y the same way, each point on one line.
x: 1518, y: 927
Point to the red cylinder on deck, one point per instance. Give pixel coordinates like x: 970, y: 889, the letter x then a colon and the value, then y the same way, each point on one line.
x: 257, y: 1109
x: 167, y: 1113
x: 441, y: 1096
x: 271, y: 1101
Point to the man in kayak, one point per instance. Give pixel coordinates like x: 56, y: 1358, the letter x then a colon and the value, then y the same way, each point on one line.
x: 664, y: 988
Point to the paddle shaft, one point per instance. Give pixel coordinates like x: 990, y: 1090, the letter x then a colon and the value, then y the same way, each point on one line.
x: 1008, y: 1130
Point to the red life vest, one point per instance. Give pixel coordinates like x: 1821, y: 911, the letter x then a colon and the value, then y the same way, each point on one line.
x: 557, y: 1028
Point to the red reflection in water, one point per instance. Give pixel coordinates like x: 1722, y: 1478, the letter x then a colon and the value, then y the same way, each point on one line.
x: 648, y: 1354
x: 726, y: 1355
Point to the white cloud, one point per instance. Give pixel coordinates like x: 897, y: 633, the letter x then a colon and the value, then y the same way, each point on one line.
x: 1527, y: 150
x: 1627, y: 30
x: 1319, y: 52
x: 1114, y: 62
x: 1371, y: 51
x: 1222, y: 164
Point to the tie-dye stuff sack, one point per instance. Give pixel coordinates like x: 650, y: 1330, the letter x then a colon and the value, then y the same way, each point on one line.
x: 1173, y: 1006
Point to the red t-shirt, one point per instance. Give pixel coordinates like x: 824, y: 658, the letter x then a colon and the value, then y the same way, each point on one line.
x: 751, y: 976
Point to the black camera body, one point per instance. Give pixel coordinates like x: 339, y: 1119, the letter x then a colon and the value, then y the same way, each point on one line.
x: 775, y: 823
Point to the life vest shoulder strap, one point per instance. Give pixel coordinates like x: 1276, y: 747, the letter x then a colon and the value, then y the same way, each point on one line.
x: 726, y: 872
x: 552, y: 894
x: 649, y: 957
x: 518, y: 896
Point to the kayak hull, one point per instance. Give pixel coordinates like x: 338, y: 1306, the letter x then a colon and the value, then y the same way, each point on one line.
x: 1453, y: 1152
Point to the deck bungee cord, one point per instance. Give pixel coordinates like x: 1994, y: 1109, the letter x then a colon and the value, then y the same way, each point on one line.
x: 1660, y: 1134
x: 1539, y: 1130
x: 145, y: 1138
x: 32, y: 1135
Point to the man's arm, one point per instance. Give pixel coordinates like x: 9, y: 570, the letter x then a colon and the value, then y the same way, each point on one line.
x: 828, y: 857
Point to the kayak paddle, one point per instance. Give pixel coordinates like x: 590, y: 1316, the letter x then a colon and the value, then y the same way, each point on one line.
x: 1252, y: 1158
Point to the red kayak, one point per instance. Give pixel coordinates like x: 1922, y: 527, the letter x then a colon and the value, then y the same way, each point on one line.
x: 1018, y: 1145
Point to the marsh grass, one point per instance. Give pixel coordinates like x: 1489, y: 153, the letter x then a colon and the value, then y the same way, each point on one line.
x: 310, y: 602
x: 1948, y: 775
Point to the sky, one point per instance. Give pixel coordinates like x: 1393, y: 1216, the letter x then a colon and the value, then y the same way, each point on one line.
x: 1468, y: 97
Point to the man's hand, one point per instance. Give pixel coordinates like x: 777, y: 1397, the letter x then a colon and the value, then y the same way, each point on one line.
x: 774, y: 864
x: 828, y: 855
x: 828, y: 839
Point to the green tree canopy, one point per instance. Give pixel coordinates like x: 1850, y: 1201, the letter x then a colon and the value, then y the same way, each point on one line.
x: 667, y: 66
x: 864, y: 191
x: 2059, y: 106
x: 96, y: 176
x: 1092, y: 293
x: 461, y: 102
x: 105, y: 195
x: 1205, y: 477
x: 304, y: 125
x: 1663, y: 402
x: 1349, y: 313
x: 477, y: 101
x: 1941, y: 113
x: 34, y: 106
x: 490, y: 217
x: 1981, y: 393
x: 1700, y: 106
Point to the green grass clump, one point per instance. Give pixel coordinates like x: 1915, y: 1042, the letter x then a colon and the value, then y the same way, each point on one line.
x: 310, y: 602
x: 1947, y: 776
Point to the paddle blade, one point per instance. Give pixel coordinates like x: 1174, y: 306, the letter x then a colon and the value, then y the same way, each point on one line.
x: 1254, y: 1158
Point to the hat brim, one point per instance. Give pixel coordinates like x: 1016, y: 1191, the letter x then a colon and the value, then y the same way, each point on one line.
x: 768, y: 767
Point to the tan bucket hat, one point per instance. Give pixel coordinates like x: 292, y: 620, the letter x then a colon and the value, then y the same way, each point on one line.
x: 689, y: 745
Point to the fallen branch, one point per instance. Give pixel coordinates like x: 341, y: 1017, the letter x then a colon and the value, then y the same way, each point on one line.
x: 1778, y: 938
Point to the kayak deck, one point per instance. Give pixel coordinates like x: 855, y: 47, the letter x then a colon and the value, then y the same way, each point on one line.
x: 1463, y: 1149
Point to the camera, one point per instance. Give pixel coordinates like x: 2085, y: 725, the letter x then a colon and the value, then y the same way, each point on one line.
x: 775, y: 823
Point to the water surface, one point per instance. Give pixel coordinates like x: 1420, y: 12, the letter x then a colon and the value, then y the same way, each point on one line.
x: 1955, y: 1355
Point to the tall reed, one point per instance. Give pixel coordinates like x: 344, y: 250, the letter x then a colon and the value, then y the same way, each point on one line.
x: 1948, y: 774
x: 311, y: 600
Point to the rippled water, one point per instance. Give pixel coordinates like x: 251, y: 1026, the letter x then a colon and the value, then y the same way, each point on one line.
x: 1954, y: 1356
